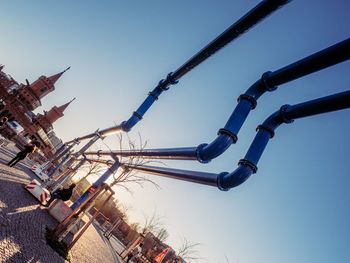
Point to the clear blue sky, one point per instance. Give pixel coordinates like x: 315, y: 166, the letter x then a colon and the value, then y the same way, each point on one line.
x: 296, y: 208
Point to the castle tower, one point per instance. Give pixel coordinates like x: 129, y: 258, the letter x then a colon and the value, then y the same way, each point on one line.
x: 44, y: 85
x: 56, y: 112
x: 46, y: 120
x: 31, y: 94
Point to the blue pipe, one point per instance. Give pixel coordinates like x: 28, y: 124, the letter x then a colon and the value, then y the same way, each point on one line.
x: 330, y: 56
x: 266, y: 131
x: 250, y: 19
x: 248, y: 166
x: 262, y: 10
x: 58, y: 166
x: 151, y: 98
x: 204, y: 153
x: 96, y: 184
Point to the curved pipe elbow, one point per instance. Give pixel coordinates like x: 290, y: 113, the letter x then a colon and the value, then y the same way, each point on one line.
x: 276, y: 119
x: 130, y: 123
x: 261, y: 86
x: 206, y: 152
x: 247, y: 166
x: 227, y: 181
x: 148, y: 102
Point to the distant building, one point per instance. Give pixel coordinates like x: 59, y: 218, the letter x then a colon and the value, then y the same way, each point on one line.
x: 17, y: 102
x: 55, y: 141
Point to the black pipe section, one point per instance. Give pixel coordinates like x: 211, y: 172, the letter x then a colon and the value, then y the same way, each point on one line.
x: 183, y: 175
x: 325, y: 58
x: 247, y: 166
x: 254, y: 16
x: 204, y: 153
x: 330, y: 56
x: 262, y: 10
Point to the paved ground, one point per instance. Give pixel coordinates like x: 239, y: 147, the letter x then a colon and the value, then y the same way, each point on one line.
x: 22, y: 224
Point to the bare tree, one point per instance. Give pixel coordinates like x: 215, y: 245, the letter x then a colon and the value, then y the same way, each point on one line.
x: 162, y: 235
x: 124, y: 210
x: 129, y: 175
x: 92, y: 168
x: 135, y: 226
x: 153, y: 223
x: 188, y: 251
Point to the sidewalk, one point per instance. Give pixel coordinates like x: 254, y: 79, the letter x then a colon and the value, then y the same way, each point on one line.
x: 22, y: 224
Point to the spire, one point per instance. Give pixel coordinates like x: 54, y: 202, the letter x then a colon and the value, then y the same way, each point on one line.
x: 56, y: 112
x: 64, y: 106
x: 44, y: 85
x: 55, y: 77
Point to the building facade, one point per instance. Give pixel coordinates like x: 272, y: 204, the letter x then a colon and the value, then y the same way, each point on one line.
x: 17, y: 102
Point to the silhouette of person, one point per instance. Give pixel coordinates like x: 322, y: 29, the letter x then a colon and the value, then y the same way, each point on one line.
x: 23, y: 154
x: 3, y: 121
x: 64, y: 194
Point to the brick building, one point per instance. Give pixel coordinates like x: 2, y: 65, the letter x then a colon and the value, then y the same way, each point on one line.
x: 17, y: 102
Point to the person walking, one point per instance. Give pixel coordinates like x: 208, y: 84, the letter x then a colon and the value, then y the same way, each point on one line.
x: 135, y: 253
x: 22, y: 154
x: 63, y: 194
x: 3, y: 121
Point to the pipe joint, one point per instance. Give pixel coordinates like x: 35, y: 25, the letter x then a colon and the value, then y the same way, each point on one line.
x: 125, y: 126
x: 109, y: 162
x: 75, y: 141
x: 170, y: 79
x: 248, y: 163
x: 219, y: 181
x: 138, y: 115
x: 226, y: 181
x: 264, y: 81
x: 282, y: 113
x: 153, y: 94
x: 98, y: 134
x: 229, y: 134
x: 162, y: 85
x: 266, y: 128
x: 165, y: 83
x: 115, y: 158
x: 199, y: 150
x: 249, y: 98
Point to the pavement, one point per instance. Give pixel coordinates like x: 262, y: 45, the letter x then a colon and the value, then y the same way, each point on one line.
x: 23, y: 222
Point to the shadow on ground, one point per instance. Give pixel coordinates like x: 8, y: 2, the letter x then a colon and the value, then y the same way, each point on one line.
x: 22, y: 221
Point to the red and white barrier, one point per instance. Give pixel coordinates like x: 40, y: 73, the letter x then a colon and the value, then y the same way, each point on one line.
x: 40, y: 193
x: 40, y: 172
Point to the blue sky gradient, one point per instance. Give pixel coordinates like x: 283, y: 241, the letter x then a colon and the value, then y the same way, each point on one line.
x: 296, y: 208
